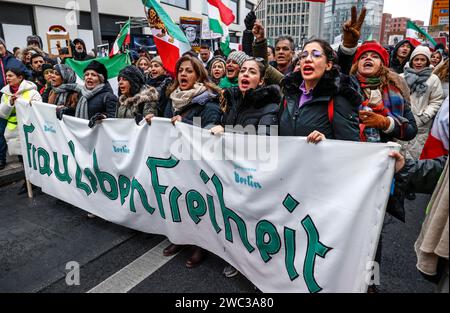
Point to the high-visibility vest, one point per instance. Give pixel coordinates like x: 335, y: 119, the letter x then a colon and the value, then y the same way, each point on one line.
x: 12, y: 119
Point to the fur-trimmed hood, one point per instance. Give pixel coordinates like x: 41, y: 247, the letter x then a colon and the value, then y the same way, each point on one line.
x: 147, y: 94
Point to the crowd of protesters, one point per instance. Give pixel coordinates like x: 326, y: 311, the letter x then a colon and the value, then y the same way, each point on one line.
x: 361, y: 92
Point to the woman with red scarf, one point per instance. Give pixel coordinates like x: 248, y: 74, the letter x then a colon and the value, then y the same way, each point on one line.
x: 385, y: 114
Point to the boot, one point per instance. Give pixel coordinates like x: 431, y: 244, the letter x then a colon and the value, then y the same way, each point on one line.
x: 197, y: 257
x: 172, y: 249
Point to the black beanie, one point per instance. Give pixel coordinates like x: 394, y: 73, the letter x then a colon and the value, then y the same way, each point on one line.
x: 98, y: 67
x: 134, y: 76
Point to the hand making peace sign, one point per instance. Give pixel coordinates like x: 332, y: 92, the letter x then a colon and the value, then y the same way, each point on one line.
x: 352, y: 28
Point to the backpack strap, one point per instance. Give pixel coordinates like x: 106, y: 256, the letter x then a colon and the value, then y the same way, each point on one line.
x: 331, y: 110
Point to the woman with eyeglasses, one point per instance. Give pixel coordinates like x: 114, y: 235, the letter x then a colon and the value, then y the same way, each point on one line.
x: 319, y: 102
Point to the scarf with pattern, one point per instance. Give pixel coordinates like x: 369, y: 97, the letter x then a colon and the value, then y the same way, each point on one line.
x: 393, y: 103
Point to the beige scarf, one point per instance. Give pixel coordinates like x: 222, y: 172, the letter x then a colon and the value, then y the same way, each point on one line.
x: 181, y: 98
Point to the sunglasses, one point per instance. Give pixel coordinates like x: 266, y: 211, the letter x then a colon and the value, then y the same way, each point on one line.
x: 315, y: 54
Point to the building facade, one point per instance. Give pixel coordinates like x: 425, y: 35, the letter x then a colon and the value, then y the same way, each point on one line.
x: 439, y: 13
x: 397, y: 29
x: 337, y: 12
x: 20, y: 18
x: 385, y: 27
x: 299, y: 19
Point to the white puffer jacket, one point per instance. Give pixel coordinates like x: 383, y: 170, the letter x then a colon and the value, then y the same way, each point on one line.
x: 27, y: 92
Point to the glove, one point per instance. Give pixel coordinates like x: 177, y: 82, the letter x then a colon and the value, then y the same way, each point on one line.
x: 249, y: 20
x: 95, y: 119
x: 352, y: 29
x: 138, y: 118
x: 371, y: 119
x: 60, y: 112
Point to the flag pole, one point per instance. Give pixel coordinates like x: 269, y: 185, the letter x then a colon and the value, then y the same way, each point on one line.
x: 257, y: 6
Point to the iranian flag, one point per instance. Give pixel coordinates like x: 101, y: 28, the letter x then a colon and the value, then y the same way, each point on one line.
x: 114, y: 65
x: 123, y: 38
x: 220, y: 17
x: 169, y: 38
x: 414, y: 33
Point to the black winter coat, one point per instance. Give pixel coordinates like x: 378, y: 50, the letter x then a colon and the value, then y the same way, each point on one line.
x: 104, y: 102
x: 206, y: 106
x: 313, y: 115
x: 257, y: 107
x: 161, y: 84
x: 417, y: 176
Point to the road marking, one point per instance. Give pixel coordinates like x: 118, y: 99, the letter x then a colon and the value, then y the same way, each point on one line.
x: 135, y: 272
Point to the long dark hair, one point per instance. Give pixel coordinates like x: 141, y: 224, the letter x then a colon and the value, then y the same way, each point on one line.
x: 199, y: 69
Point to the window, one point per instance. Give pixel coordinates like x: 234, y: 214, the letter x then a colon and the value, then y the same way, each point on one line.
x: 248, y: 7
x: 204, y: 7
x: 234, y: 6
x: 177, y: 3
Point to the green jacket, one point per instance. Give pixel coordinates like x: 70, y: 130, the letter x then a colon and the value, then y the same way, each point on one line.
x: 226, y: 83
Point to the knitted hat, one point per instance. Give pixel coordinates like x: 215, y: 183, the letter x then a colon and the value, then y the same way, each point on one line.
x: 215, y: 60
x: 134, y: 76
x: 239, y: 57
x: 373, y: 46
x: 98, y: 67
x: 423, y: 51
x: 46, y: 67
x: 158, y: 60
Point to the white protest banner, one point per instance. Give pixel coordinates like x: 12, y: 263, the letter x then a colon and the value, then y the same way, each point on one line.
x: 298, y: 218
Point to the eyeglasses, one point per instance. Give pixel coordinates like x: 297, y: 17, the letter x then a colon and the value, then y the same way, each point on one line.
x: 315, y: 54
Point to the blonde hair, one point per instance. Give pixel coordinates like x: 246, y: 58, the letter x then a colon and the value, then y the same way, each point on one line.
x: 441, y: 71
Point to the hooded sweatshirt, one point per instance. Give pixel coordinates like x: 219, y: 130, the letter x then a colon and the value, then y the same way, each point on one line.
x: 80, y: 56
x: 395, y: 64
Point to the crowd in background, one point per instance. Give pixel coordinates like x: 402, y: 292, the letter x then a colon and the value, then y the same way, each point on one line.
x: 361, y: 92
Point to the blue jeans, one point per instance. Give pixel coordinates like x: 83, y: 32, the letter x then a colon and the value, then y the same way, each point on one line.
x: 3, y: 145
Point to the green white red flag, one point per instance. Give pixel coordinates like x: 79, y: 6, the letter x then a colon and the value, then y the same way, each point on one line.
x: 170, y: 40
x: 123, y: 39
x: 220, y: 17
x: 414, y: 34
x: 113, y: 65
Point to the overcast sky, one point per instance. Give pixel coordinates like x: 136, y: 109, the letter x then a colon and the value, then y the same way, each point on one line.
x: 414, y: 9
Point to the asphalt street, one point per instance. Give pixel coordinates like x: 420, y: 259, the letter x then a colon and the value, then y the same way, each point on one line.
x: 38, y: 237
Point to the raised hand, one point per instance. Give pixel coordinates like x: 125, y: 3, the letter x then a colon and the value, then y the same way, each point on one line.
x: 249, y: 20
x: 258, y: 31
x: 352, y: 29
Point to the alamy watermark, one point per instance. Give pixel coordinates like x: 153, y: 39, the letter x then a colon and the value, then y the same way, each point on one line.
x: 250, y: 143
x: 73, y: 273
